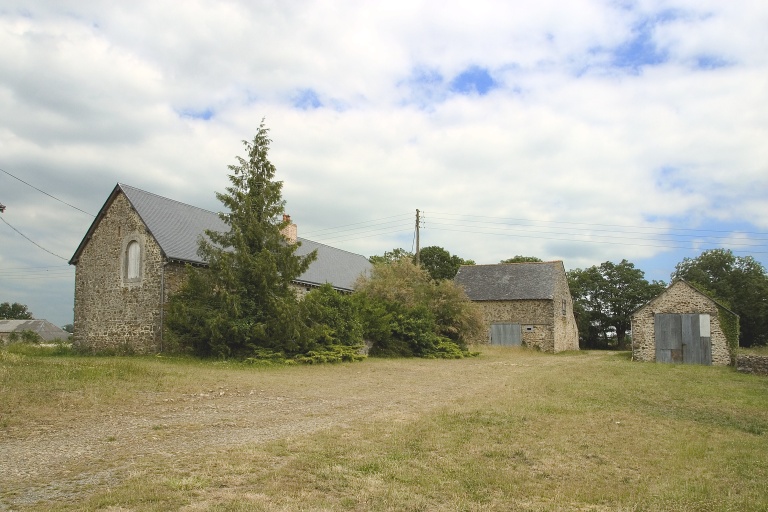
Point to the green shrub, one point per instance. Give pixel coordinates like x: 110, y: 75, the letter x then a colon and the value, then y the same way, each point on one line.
x: 406, y: 313
x: 25, y: 336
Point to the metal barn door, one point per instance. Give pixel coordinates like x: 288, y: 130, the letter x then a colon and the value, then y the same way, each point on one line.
x: 506, y: 334
x: 683, y: 339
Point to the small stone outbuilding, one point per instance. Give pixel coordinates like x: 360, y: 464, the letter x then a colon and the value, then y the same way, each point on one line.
x: 133, y: 258
x: 684, y: 325
x: 523, y: 304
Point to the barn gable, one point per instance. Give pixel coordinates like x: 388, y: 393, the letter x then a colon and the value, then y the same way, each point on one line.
x: 683, y: 325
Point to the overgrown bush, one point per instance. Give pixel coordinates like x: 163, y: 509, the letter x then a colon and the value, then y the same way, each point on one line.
x: 406, y: 313
x: 334, y: 327
x: 25, y: 336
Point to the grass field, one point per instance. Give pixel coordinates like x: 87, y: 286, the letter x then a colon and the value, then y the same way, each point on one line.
x: 508, y: 430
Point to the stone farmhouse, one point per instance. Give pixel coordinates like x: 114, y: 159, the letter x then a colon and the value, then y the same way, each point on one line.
x: 523, y: 304
x: 683, y: 325
x: 133, y: 258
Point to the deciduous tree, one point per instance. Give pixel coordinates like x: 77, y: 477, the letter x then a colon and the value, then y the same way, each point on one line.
x: 605, y: 296
x: 522, y: 259
x: 391, y: 256
x: 14, y: 311
x: 440, y: 263
x: 739, y: 281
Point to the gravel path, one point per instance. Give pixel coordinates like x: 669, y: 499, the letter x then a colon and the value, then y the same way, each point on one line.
x: 63, y: 460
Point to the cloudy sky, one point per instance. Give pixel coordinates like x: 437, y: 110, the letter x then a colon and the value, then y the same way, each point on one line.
x: 585, y: 131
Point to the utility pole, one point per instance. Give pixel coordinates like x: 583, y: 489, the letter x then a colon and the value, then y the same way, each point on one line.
x: 417, y: 236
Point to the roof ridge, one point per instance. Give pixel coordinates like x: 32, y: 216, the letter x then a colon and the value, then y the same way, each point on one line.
x: 123, y: 185
x: 514, y: 263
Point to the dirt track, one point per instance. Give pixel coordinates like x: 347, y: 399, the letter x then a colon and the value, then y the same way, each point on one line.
x: 63, y: 460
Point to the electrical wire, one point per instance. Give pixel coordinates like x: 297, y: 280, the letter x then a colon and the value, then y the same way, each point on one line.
x: 46, y: 193
x: 33, y: 242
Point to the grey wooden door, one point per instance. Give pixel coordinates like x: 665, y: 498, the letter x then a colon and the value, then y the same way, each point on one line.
x: 506, y: 334
x: 683, y: 338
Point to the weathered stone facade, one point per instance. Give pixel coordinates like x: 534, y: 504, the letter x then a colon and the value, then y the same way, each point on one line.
x: 134, y: 257
x: 534, y: 316
x: 546, y: 324
x: 113, y: 313
x: 679, y: 298
x: 565, y: 329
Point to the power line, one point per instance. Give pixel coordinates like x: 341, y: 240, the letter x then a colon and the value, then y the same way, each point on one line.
x: 35, y: 243
x: 590, y: 224
x: 560, y: 239
x: 616, y: 235
x: 370, y: 223
x: 46, y: 193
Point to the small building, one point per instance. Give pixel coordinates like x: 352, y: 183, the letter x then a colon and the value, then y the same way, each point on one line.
x: 47, y: 331
x: 133, y: 258
x: 523, y: 304
x: 684, y: 325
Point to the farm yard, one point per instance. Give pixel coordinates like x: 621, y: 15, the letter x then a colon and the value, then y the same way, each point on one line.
x: 511, y: 429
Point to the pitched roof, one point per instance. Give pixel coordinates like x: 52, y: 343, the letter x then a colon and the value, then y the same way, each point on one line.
x: 44, y: 328
x: 510, y: 281
x: 177, y: 227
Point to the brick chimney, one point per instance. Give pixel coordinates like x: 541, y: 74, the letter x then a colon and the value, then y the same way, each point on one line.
x: 290, y: 232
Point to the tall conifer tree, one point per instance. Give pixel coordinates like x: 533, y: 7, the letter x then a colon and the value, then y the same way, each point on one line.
x: 243, y: 302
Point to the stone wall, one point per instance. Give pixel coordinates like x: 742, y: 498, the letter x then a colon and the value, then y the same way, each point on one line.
x: 534, y: 313
x: 113, y: 313
x: 679, y: 298
x: 544, y: 326
x: 566, y: 335
x: 750, y: 363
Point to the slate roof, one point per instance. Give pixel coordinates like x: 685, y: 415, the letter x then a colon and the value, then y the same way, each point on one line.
x: 177, y: 227
x: 510, y: 281
x: 46, y: 330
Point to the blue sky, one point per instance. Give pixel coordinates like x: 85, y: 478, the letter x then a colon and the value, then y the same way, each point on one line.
x: 584, y: 131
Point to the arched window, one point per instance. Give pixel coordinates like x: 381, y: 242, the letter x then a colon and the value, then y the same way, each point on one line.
x: 133, y: 260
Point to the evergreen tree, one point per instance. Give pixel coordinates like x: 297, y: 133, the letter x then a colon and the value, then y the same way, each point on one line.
x: 243, y: 303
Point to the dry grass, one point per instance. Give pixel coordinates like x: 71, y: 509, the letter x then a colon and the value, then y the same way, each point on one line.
x: 510, y: 430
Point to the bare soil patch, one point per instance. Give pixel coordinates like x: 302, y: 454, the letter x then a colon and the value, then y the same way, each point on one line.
x: 68, y: 456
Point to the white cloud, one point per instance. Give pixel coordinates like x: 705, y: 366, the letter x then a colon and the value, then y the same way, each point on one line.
x: 99, y: 93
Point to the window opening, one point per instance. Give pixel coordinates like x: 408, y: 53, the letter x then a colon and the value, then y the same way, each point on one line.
x: 133, y: 254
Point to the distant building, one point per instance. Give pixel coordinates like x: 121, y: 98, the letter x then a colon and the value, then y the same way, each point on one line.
x: 523, y: 304
x: 132, y: 259
x: 43, y: 328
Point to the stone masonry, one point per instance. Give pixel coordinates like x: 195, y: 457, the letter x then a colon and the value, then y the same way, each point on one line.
x: 679, y: 298
x: 113, y: 313
x: 544, y: 325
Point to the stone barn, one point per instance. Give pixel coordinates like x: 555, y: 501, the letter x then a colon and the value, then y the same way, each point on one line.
x: 133, y: 257
x: 684, y: 325
x: 523, y: 304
